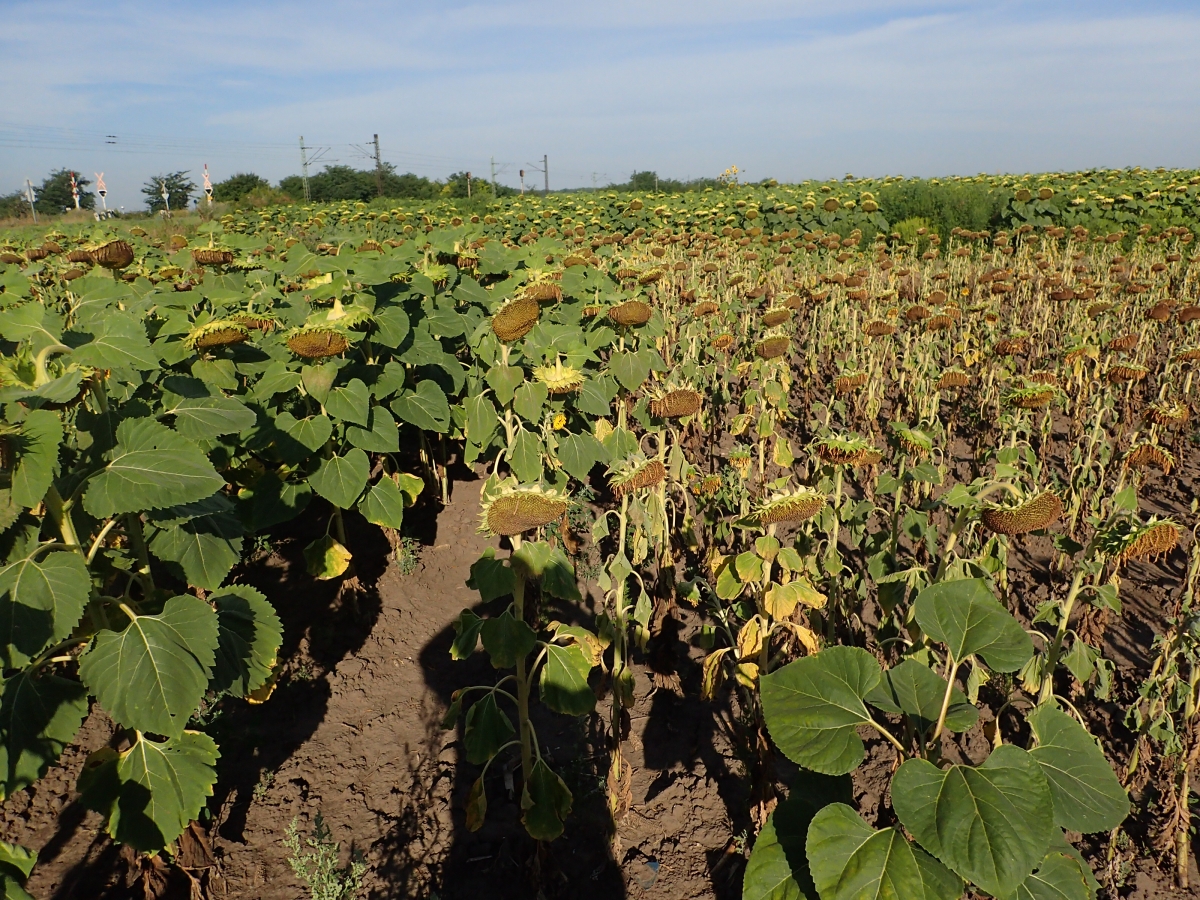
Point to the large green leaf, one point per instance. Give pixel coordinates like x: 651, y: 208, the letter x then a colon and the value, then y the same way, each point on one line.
x: 153, y: 790
x: 203, y: 418
x: 630, y: 369
x: 564, y: 681
x: 551, y: 565
x: 916, y: 691
x: 311, y: 432
x: 504, y: 380
x: 992, y: 823
x: 383, y: 504
x: 205, y: 548
x: 481, y: 419
x: 778, y: 867
x: 41, y: 600
x: 37, y: 455
x: 426, y: 407
x: 340, y: 479
x: 965, y: 617
x: 1087, y: 795
x: 530, y: 399
x: 152, y: 675
x: 16, y: 863
x: 578, y: 453
x: 850, y: 860
x: 814, y: 707
x: 381, y: 435
x: 350, y: 402
x: 152, y: 467
x: 250, y: 634
x: 39, y: 715
x: 525, y: 457
x: 545, y: 803
x: 121, y: 342
x: 491, y: 577
x: 487, y: 729
x: 1059, y: 877
x: 507, y: 639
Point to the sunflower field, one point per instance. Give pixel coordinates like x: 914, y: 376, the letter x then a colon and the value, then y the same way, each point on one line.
x: 908, y: 474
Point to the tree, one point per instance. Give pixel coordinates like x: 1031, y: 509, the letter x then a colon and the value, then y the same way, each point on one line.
x: 179, y: 191
x: 14, y: 206
x: 54, y: 194
x: 236, y: 187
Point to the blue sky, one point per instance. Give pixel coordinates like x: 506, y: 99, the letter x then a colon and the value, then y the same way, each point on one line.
x: 790, y: 90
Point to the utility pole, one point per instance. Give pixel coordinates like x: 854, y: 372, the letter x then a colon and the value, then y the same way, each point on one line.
x: 304, y: 168
x: 378, y: 168
x: 29, y: 196
x: 546, y: 171
x: 468, y: 185
x: 493, y: 178
x: 522, y: 182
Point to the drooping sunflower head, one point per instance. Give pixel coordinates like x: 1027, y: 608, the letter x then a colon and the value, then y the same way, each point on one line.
x: 1031, y: 396
x: 631, y: 313
x: 1129, y: 539
x: 217, y: 333
x: 912, y: 440
x: 635, y: 472
x: 516, y: 319
x: 264, y: 322
x: 1168, y: 412
x: 740, y: 458
x: 675, y: 403
x: 1145, y: 454
x: 847, y: 450
x: 508, y: 508
x: 559, y: 379
x: 112, y: 255
x: 773, y: 347
x: 1031, y: 515
x: 788, y: 506
x: 317, y: 342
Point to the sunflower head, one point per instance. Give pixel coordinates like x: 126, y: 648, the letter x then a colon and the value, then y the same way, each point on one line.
x: 675, y: 404
x: 317, y: 342
x: 912, y: 440
x: 635, y: 472
x: 516, y: 319
x: 508, y: 508
x: 1145, y: 454
x: 1129, y: 539
x: 1032, y: 515
x: 847, y: 450
x: 788, y: 506
x: 630, y: 313
x: 217, y: 333
x: 559, y: 379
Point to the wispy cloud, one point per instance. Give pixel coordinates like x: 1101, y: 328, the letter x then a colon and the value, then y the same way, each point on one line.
x: 788, y: 89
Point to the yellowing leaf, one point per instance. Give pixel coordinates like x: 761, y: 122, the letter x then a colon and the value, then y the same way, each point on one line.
x: 750, y: 638
x: 747, y: 674
x: 325, y: 558
x: 713, y: 674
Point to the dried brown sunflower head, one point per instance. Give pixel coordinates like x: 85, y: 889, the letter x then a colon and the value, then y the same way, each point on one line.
x: 630, y: 313
x: 317, y: 342
x: 1129, y: 539
x: 217, y: 333
x: 634, y: 473
x: 1168, y: 412
x: 516, y: 319
x: 789, y: 506
x: 113, y: 255
x: 773, y: 347
x: 1032, y: 515
x: 510, y: 509
x: 1146, y: 454
x: 675, y: 404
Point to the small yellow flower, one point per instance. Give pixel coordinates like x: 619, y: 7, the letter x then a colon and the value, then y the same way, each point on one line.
x: 559, y: 422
